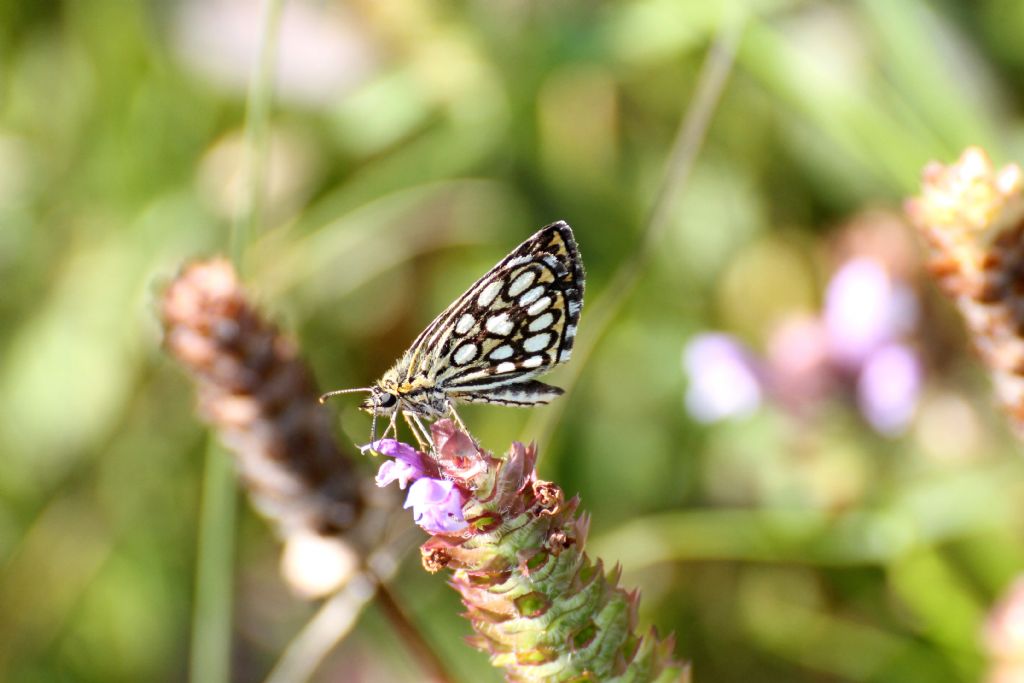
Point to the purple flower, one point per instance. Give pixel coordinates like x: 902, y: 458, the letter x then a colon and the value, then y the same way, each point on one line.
x: 865, y: 309
x: 888, y: 388
x: 407, y: 465
x: 393, y: 448
x: 436, y: 505
x: 723, y: 378
x: 397, y: 470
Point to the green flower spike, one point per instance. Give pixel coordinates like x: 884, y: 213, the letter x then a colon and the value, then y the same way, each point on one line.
x: 541, y: 608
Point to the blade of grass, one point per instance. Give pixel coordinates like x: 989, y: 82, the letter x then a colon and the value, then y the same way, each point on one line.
x: 257, y: 121
x: 211, y: 624
x: 211, y: 617
x: 685, y: 147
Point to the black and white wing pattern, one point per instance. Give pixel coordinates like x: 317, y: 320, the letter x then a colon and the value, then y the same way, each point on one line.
x: 516, y: 322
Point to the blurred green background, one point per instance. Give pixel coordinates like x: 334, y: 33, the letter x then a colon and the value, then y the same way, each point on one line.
x: 412, y: 144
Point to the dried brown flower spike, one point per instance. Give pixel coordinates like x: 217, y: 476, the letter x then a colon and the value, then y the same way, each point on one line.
x: 972, y: 217
x: 259, y: 396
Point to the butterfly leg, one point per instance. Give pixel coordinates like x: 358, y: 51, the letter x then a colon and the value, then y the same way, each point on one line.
x: 458, y: 420
x: 428, y: 437
x: 418, y: 430
x: 392, y: 426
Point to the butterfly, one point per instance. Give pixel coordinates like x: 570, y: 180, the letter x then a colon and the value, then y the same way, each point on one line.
x: 515, y: 323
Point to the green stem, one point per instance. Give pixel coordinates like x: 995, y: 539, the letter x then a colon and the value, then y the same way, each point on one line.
x: 211, y: 618
x: 211, y: 623
x: 685, y: 147
x: 257, y: 122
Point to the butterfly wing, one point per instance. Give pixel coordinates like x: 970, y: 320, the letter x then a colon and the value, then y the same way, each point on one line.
x: 516, y: 322
x: 522, y: 393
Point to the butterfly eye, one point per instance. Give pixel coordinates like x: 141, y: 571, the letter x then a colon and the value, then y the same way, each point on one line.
x: 386, y: 400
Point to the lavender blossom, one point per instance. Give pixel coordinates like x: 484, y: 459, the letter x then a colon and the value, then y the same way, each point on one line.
x: 888, y: 388
x: 864, y: 310
x: 724, y: 381
x: 408, y: 465
x: 436, y: 502
x: 855, y: 345
x: 436, y: 505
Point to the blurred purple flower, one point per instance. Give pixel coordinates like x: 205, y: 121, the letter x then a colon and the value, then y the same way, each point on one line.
x: 888, y: 388
x: 865, y: 309
x: 436, y: 505
x: 855, y: 344
x: 724, y: 380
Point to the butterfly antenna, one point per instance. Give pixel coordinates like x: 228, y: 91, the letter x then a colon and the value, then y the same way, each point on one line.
x: 324, y: 397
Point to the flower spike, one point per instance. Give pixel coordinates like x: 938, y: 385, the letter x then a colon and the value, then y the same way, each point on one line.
x: 540, y: 607
x: 972, y: 217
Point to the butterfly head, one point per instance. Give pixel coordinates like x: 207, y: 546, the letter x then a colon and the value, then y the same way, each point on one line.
x: 380, y: 401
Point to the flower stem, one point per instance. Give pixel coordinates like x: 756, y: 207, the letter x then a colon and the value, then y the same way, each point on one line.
x: 431, y: 666
x: 331, y: 623
x: 211, y: 617
x: 211, y: 626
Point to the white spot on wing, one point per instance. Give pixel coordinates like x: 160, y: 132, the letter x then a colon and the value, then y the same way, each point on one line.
x: 505, y: 367
x: 537, y: 342
x: 537, y: 307
x: 570, y: 331
x: 531, y: 296
x: 542, y: 322
x: 533, y: 361
x: 574, y: 307
x: 465, y: 324
x: 521, y: 283
x: 501, y: 353
x: 499, y: 324
x: 464, y: 354
x: 489, y: 292
x: 564, y: 355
